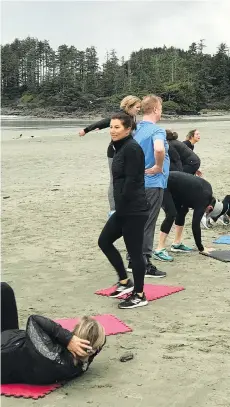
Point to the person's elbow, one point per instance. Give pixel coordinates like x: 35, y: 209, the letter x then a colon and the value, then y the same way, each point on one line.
x: 159, y: 147
x: 160, y: 150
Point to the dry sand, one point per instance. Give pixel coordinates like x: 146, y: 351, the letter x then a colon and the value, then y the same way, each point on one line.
x: 181, y: 343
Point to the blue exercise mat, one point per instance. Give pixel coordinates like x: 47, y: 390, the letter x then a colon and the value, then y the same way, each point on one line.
x: 223, y: 240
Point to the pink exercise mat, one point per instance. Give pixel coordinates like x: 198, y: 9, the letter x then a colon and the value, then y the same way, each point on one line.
x: 152, y: 292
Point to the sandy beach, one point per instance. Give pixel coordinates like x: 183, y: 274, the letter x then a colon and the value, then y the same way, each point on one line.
x: 56, y: 184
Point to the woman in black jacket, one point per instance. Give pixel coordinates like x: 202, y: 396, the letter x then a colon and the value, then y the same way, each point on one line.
x: 45, y: 352
x: 168, y: 205
x: 190, y: 161
x: 130, y: 105
x: 131, y: 212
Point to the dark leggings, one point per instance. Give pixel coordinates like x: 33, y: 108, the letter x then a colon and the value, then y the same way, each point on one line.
x: 9, y: 313
x: 191, y: 168
x: 170, y: 212
x: 132, y: 230
x: 173, y: 211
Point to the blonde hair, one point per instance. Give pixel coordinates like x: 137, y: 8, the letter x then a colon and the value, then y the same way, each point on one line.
x: 149, y: 103
x: 88, y: 328
x: 128, y: 102
x: 190, y: 134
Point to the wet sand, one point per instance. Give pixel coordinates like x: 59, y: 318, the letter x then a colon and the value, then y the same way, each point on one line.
x: 57, y: 187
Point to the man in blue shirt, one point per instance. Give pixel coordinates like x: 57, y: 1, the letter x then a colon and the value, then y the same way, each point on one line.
x: 152, y: 139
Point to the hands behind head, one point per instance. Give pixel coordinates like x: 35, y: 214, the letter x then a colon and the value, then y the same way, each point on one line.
x: 79, y: 346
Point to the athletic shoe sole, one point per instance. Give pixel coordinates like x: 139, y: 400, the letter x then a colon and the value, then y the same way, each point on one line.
x: 180, y: 251
x: 126, y: 291
x: 222, y: 222
x: 140, y: 304
x: 158, y: 258
x: 147, y: 275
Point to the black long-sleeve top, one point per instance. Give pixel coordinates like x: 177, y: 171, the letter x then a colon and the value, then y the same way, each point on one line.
x: 186, y: 154
x: 103, y: 124
x: 191, y: 192
x: 189, y: 144
x: 175, y: 161
x: 38, y: 355
x: 128, y: 170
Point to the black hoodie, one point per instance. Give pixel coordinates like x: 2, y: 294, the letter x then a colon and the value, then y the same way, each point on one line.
x: 128, y: 171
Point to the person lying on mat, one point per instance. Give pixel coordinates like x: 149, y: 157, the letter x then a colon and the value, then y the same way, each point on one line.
x: 45, y: 352
x: 187, y: 192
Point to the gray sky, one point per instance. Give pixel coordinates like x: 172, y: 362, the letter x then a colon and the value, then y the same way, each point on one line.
x: 123, y: 25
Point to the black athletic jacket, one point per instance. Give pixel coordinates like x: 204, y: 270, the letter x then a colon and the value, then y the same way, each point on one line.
x: 175, y: 161
x: 38, y: 355
x: 187, y: 156
x: 103, y: 124
x: 189, y: 144
x: 128, y: 170
x: 191, y: 192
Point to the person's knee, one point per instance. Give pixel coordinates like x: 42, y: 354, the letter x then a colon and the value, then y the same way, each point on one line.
x: 171, y: 217
x: 137, y: 257
x: 168, y: 222
x: 103, y: 243
x: 180, y: 219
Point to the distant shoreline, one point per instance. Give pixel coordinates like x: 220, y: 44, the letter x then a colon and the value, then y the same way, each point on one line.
x: 18, y: 116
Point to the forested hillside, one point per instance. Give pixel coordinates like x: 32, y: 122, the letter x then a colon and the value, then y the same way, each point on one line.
x: 34, y: 76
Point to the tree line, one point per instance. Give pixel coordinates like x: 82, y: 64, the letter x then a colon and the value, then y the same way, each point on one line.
x: 72, y: 80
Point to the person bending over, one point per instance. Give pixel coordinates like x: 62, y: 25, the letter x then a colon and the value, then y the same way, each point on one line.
x: 44, y: 353
x: 190, y: 161
x: 131, y: 212
x: 187, y: 192
x: 130, y: 105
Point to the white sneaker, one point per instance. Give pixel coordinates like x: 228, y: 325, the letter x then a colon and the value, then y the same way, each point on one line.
x: 224, y: 220
x: 206, y: 222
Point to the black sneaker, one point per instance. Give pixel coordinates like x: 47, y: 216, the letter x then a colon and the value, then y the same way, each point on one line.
x: 129, y: 268
x: 122, y: 289
x: 152, y: 271
x: 133, y: 301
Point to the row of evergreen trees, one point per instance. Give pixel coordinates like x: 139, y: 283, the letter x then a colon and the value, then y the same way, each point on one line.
x: 68, y: 79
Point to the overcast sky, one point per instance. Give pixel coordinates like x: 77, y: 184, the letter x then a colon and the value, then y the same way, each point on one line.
x: 123, y: 25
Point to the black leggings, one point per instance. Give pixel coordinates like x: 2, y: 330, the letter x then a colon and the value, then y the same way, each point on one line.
x: 191, y: 168
x: 173, y: 211
x: 9, y: 313
x: 132, y: 230
x: 170, y: 212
